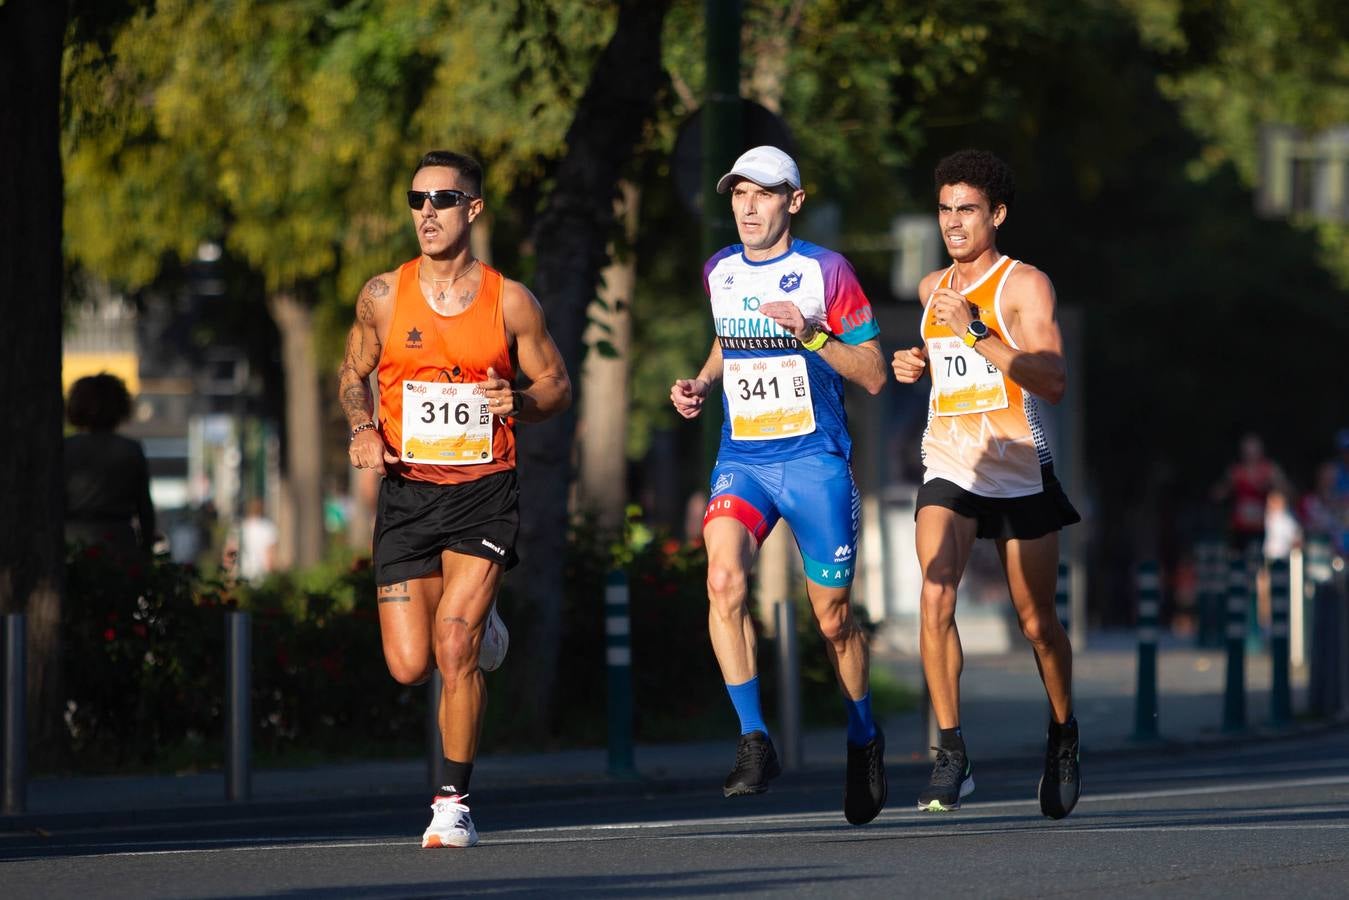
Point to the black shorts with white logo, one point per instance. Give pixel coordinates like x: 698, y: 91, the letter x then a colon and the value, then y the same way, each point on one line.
x: 1020, y: 518
x: 416, y: 520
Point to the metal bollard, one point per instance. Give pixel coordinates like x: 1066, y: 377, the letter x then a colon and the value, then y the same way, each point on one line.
x: 789, y: 685
x: 1211, y: 575
x: 618, y: 663
x: 1318, y: 622
x: 238, y: 705
x: 1234, y: 693
x: 15, y: 710
x: 1255, y: 564
x: 435, y: 746
x: 1280, y: 693
x: 1149, y: 585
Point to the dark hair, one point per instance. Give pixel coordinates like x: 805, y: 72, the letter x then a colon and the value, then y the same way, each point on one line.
x: 979, y: 169
x: 469, y: 169
x: 98, y: 402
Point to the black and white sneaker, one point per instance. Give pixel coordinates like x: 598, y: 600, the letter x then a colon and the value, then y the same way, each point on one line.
x: 756, y: 763
x: 865, y: 789
x: 1061, y: 784
x: 952, y: 778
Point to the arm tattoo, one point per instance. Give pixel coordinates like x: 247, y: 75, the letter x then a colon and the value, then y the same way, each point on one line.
x: 391, y: 598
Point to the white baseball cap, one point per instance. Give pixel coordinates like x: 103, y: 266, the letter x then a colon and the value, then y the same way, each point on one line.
x: 765, y: 166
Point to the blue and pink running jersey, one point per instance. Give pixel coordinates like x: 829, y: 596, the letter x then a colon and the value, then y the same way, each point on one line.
x: 781, y: 401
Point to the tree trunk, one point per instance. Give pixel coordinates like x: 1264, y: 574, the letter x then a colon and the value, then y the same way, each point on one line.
x: 32, y: 542
x: 301, y: 542
x: 603, y: 429
x: 572, y: 233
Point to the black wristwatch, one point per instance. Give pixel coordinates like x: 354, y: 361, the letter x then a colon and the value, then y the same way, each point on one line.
x: 975, y: 332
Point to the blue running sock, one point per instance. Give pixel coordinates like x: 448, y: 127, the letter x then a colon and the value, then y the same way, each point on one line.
x: 861, y: 726
x: 745, y: 699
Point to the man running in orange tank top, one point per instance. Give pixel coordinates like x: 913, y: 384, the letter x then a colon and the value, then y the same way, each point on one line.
x: 447, y: 337
x: 991, y: 345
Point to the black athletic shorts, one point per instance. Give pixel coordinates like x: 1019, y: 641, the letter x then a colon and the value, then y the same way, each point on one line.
x: 1022, y: 518
x: 415, y: 520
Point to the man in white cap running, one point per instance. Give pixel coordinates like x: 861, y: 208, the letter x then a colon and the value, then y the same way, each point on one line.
x: 792, y: 326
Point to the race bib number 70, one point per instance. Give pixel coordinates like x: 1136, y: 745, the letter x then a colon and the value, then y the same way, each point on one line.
x: 963, y: 381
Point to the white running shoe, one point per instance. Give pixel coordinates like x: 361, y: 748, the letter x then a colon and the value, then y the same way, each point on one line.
x: 495, y: 640
x: 451, y: 825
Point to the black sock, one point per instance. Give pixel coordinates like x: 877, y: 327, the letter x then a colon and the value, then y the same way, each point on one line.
x: 1058, y: 728
x: 951, y: 739
x: 456, y: 776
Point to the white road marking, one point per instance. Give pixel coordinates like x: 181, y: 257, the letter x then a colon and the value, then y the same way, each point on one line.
x: 726, y: 826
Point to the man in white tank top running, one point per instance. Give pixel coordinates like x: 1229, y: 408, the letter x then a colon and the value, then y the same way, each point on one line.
x: 991, y: 345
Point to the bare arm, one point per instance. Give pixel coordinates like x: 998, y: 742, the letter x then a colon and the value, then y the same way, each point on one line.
x: 688, y: 394
x: 1028, y: 301
x: 861, y: 363
x: 373, y: 306
x: 910, y: 363
x: 549, y: 390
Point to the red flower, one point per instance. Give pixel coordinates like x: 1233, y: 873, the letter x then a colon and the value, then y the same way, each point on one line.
x: 109, y: 634
x: 93, y: 551
x: 139, y: 629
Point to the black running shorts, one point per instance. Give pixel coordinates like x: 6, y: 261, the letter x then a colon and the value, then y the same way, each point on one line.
x: 1021, y: 518
x: 416, y: 520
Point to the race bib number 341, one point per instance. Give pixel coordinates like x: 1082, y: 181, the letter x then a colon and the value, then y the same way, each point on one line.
x: 446, y: 424
x: 963, y: 381
x: 769, y: 398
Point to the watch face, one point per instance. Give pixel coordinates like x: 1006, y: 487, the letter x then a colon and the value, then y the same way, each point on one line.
x: 978, y: 329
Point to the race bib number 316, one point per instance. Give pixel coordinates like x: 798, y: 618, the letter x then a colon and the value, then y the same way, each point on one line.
x: 446, y: 424
x: 769, y: 398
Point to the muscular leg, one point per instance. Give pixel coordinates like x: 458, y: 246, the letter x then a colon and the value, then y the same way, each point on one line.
x: 1032, y: 572
x: 843, y: 638
x: 470, y: 586
x: 406, y: 609
x: 944, y: 541
x: 730, y: 556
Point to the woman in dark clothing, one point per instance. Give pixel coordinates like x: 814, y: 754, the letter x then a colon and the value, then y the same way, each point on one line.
x: 107, y: 478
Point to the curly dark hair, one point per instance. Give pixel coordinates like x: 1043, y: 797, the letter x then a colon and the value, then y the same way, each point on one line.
x: 980, y: 169
x: 98, y: 402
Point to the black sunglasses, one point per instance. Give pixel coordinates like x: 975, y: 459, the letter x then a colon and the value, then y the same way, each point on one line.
x: 439, y: 199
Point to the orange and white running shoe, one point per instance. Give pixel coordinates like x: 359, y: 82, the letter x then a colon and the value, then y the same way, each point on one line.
x: 451, y: 825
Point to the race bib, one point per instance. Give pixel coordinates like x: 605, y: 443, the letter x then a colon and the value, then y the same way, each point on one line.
x: 962, y: 380
x: 769, y: 398
x: 446, y: 424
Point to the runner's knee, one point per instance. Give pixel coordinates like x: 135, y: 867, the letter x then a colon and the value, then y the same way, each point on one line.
x: 456, y: 646
x: 938, y: 601
x: 836, y: 622
x: 1040, y: 629
x: 408, y: 667
x: 726, y: 587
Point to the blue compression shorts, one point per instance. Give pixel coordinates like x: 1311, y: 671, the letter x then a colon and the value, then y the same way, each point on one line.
x: 815, y: 494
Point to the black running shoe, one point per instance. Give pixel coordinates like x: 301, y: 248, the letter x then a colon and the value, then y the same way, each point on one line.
x: 756, y: 763
x: 865, y: 789
x: 1061, y: 784
x: 952, y: 779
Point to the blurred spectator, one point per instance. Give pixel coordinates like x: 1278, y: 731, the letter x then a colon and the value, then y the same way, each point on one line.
x: 1245, y: 487
x: 1318, y: 508
x: 257, y: 543
x: 107, y: 480
x: 1282, y: 532
x: 1339, y: 492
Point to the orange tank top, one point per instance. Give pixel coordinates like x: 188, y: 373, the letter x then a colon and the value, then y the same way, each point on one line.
x: 428, y: 369
x: 983, y: 431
